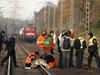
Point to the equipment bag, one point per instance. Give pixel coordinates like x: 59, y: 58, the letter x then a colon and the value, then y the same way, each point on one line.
x: 66, y: 43
x: 77, y: 44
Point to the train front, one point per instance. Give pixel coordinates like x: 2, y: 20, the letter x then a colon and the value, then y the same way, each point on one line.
x: 30, y: 33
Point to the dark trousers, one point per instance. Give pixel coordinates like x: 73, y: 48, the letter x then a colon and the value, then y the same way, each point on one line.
x: 66, y: 59
x: 60, y: 60
x: 13, y: 56
x: 71, y: 57
x: 79, y: 57
x: 93, y: 53
x: 28, y: 65
x: 60, y: 65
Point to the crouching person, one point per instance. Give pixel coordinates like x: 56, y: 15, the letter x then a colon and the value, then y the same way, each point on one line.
x: 30, y: 58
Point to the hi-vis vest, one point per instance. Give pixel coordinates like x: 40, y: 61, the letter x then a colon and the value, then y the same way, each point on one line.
x: 40, y: 41
x: 28, y: 60
x: 91, y: 41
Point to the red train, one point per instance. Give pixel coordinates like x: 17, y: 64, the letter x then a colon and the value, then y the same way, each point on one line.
x: 28, y: 33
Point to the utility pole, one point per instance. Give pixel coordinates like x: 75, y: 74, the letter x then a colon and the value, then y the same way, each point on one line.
x: 36, y: 17
x: 49, y: 19
x: 54, y: 18
x: 61, y: 15
x: 45, y: 14
x: 87, y: 25
x: 71, y: 15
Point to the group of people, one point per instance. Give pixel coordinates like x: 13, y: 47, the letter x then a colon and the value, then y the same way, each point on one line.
x: 68, y: 44
x: 44, y: 56
x: 46, y: 42
x: 10, y: 47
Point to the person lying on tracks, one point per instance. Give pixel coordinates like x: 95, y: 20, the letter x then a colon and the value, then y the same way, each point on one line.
x: 48, y: 62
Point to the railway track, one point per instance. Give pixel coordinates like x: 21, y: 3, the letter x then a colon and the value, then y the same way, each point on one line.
x: 22, y: 49
x: 41, y: 68
x: 85, y: 63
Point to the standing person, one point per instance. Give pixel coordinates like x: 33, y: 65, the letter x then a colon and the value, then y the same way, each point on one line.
x: 11, y: 50
x: 2, y: 39
x: 60, y: 36
x: 71, y: 35
x: 48, y: 44
x: 53, y: 41
x: 79, y: 45
x: 65, y: 48
x: 40, y: 41
x: 93, y: 50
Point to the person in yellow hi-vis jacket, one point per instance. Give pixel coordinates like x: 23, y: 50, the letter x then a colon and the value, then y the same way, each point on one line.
x: 93, y: 50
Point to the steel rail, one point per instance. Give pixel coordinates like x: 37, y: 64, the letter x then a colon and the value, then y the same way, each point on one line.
x: 48, y: 73
x: 9, y: 66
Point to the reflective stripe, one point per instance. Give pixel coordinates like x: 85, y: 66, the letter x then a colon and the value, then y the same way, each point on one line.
x: 81, y: 42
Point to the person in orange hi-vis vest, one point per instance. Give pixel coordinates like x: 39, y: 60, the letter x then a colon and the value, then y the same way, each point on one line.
x: 30, y: 58
x: 40, y: 41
